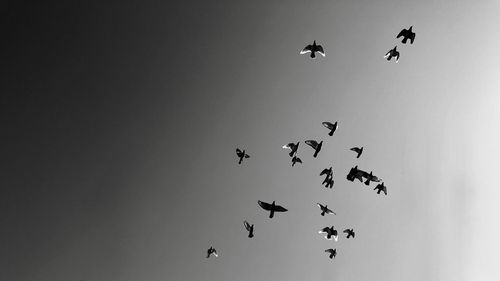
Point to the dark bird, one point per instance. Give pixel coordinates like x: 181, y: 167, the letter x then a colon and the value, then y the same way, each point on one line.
x: 371, y: 177
x: 332, y: 127
x: 211, y: 251
x: 392, y: 53
x: 296, y: 159
x: 350, y: 233
x: 249, y: 228
x: 325, y: 209
x: 241, y: 155
x: 358, y: 150
x: 271, y: 207
x: 407, y: 34
x: 333, y: 252
x: 313, y: 49
x: 381, y: 188
x: 330, y: 232
x: 293, y: 148
x: 315, y: 145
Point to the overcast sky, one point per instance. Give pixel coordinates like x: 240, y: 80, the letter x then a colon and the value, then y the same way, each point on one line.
x: 120, y: 123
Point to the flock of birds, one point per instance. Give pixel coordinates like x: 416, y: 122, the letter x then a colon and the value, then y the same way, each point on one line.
x: 355, y: 173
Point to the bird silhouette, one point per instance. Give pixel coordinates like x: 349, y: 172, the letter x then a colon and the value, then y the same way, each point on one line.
x: 313, y: 49
x: 332, y: 252
x: 271, y: 208
x: 381, y: 188
x: 330, y: 232
x: 325, y: 209
x: 332, y: 127
x: 392, y: 53
x: 370, y: 177
x: 358, y: 150
x: 249, y: 228
x: 407, y: 34
x: 211, y: 251
x: 296, y: 159
x: 350, y: 233
x: 293, y: 148
x: 241, y: 155
x: 315, y: 145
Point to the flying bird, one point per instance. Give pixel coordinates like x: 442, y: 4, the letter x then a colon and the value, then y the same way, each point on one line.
x: 211, y: 251
x: 315, y: 145
x: 371, y: 177
x: 350, y: 233
x: 249, y: 228
x: 293, y: 148
x: 241, y: 155
x: 358, y: 150
x: 407, y: 34
x: 332, y: 127
x: 271, y: 208
x: 392, y: 53
x: 330, y: 232
x: 313, y: 49
x: 296, y: 159
x: 381, y: 188
x: 325, y: 209
x: 333, y: 252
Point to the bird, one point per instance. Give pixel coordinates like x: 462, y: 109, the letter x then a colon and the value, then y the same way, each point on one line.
x: 381, y: 188
x: 211, y: 251
x: 332, y: 127
x: 333, y: 252
x: 325, y: 209
x: 355, y: 173
x: 241, y: 155
x: 272, y: 208
x: 358, y: 150
x: 315, y: 145
x: 407, y: 34
x: 296, y: 159
x: 370, y: 177
x: 249, y: 228
x: 392, y: 53
x: 330, y: 232
x: 350, y: 233
x: 293, y: 148
x: 313, y: 49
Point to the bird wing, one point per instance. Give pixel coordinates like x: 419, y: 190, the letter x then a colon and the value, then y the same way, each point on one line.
x: 278, y: 208
x: 397, y: 57
x: 238, y: 152
x: 412, y: 37
x: 328, y: 211
x: 297, y: 159
x: 265, y: 206
x: 312, y: 143
x: 402, y: 33
x: 388, y: 54
x: 329, y: 251
x: 346, y: 231
x: 247, y: 156
x: 307, y: 49
x: 320, y: 206
x: 247, y: 225
x: 328, y: 125
x: 320, y: 50
x: 288, y: 146
x: 324, y: 172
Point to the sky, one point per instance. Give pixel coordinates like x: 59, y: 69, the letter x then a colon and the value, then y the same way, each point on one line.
x: 120, y: 123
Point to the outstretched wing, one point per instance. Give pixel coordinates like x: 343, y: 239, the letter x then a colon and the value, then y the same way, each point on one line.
x: 238, y: 151
x: 402, y: 33
x: 247, y: 156
x: 312, y: 143
x: 328, y: 125
x: 307, y: 49
x: 355, y: 149
x: 247, y: 225
x: 329, y: 251
x: 324, y: 172
x: 328, y: 211
x: 278, y: 208
x: 347, y: 231
x: 297, y: 159
x: 397, y: 57
x: 388, y: 54
x: 288, y: 146
x: 265, y: 206
x: 320, y: 50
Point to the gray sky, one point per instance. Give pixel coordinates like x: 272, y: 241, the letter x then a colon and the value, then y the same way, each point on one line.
x: 120, y: 123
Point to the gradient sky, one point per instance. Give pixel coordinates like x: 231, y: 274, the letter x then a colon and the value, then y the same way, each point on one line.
x: 120, y: 122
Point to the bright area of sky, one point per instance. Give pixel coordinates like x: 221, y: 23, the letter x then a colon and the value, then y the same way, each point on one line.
x: 123, y: 121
